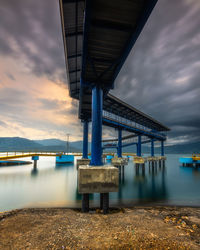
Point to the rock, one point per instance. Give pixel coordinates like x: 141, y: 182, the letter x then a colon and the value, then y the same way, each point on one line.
x: 183, y: 224
x: 194, y: 226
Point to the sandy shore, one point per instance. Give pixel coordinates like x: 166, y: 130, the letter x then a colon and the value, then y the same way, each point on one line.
x: 126, y: 228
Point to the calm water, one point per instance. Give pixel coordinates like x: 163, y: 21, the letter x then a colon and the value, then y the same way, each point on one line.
x: 53, y: 185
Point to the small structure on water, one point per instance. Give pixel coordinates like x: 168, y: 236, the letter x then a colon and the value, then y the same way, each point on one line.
x: 193, y: 161
x: 14, y: 163
x: 65, y: 158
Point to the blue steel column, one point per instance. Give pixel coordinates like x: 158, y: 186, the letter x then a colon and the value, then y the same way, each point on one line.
x: 85, y: 140
x: 119, y: 148
x: 139, y: 146
x: 162, y: 148
x: 152, y: 147
x: 97, y: 107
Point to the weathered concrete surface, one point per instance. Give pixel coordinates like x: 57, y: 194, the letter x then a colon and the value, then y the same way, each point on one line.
x: 152, y: 158
x: 82, y: 162
x: 156, y: 158
x: 139, y: 160
x: 119, y: 161
x: 98, y: 179
x: 162, y: 158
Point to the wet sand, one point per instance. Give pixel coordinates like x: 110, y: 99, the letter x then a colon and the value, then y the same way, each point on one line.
x: 125, y: 228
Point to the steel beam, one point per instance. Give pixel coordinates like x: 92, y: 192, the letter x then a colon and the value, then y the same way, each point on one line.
x: 97, y: 108
x: 162, y: 148
x: 85, y: 139
x: 152, y: 147
x: 139, y: 146
x: 119, y: 148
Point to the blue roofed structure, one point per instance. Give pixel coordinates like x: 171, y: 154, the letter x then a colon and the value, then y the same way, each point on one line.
x: 98, y: 36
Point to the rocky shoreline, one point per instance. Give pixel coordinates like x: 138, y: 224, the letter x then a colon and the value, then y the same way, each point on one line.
x: 125, y: 228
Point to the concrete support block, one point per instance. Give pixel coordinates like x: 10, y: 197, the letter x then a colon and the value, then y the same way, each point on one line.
x: 119, y: 161
x: 139, y: 160
x: 98, y: 179
x: 153, y: 158
x: 82, y: 162
x: 163, y: 158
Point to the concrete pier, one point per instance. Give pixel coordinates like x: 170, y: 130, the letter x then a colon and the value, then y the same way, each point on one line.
x: 156, y: 160
x: 193, y: 161
x: 118, y: 162
x: 82, y: 162
x: 139, y: 160
x: 98, y: 179
x: 35, y: 159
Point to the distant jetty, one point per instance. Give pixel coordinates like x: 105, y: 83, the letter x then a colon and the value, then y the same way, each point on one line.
x: 14, y: 163
x: 193, y: 161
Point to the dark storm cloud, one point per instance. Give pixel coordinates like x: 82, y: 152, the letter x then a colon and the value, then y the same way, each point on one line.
x: 14, y: 96
x: 162, y: 74
x: 160, y: 77
x: 10, y: 76
x: 51, y: 104
x: 32, y: 29
x: 58, y: 106
x: 3, y: 124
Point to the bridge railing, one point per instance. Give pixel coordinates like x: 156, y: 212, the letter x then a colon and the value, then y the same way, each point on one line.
x: 129, y: 123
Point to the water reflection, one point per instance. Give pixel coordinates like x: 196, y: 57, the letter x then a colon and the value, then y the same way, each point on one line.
x: 60, y: 166
x: 139, y: 183
x: 56, y: 184
x: 191, y: 170
x: 150, y: 184
x: 34, y: 172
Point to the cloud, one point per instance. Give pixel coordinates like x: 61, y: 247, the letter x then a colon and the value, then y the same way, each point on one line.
x: 31, y: 30
x: 161, y: 75
x: 10, y: 76
x: 3, y: 124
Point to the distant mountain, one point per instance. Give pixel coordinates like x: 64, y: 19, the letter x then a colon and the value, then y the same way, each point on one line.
x: 188, y: 148
x: 56, y: 143
x: 51, y: 142
x: 23, y: 144
x: 17, y: 144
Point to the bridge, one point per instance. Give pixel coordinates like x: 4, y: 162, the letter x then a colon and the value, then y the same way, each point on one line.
x: 23, y: 154
x: 97, y: 37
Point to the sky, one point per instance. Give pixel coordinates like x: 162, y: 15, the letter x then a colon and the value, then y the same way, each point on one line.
x: 160, y: 77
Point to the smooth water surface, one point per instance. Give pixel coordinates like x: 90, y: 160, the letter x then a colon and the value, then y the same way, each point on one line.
x: 55, y: 186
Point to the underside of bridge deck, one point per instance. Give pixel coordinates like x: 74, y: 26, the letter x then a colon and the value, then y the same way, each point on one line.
x: 98, y: 36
